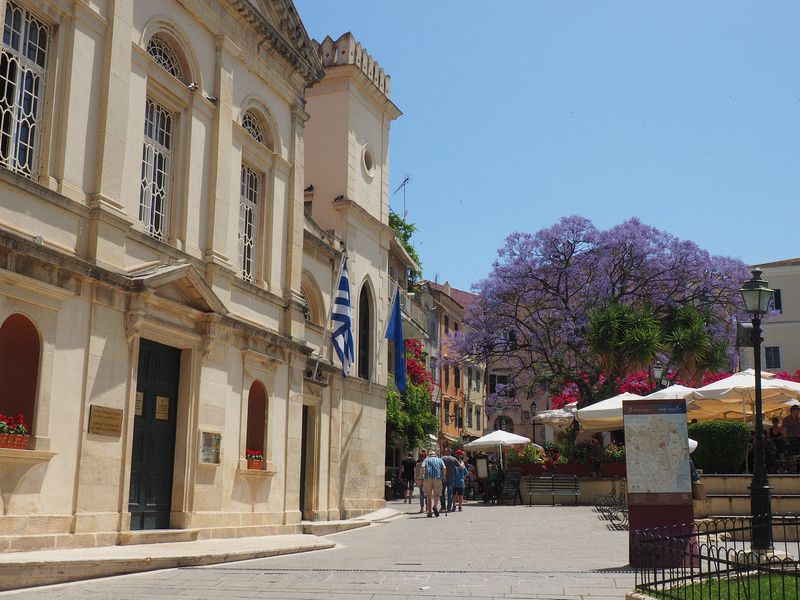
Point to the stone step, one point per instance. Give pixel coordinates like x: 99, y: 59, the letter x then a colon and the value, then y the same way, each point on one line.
x: 156, y: 536
x: 739, y: 504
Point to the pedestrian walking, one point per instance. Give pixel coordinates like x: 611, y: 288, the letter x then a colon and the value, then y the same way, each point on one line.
x: 419, y: 478
x: 459, y: 480
x: 435, y: 472
x: 407, y: 477
x: 451, y: 462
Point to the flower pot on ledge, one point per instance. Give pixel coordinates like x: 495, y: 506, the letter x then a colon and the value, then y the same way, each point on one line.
x: 255, y: 465
x: 14, y: 440
x: 612, y: 469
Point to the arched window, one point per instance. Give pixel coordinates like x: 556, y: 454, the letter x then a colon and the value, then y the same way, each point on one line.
x: 257, y: 417
x: 505, y: 423
x: 165, y: 56
x: 20, y: 350
x: 257, y: 129
x: 364, y: 332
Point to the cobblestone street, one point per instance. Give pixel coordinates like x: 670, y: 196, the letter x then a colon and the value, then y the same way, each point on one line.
x: 483, y: 552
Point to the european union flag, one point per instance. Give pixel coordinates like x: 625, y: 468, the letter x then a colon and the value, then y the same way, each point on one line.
x: 394, y: 332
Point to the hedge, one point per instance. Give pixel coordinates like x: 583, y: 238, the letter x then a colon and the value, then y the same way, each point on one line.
x: 721, y: 445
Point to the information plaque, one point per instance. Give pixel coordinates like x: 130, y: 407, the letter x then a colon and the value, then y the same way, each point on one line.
x: 105, y: 421
x: 210, y: 444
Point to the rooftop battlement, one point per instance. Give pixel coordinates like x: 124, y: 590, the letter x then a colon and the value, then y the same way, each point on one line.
x: 347, y: 51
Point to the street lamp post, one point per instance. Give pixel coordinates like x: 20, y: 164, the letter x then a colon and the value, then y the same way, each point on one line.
x: 757, y: 297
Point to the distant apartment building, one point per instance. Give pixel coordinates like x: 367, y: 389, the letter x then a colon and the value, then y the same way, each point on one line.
x: 780, y: 350
x: 460, y: 404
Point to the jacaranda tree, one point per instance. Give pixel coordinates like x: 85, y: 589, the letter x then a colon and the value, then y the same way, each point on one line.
x: 576, y: 305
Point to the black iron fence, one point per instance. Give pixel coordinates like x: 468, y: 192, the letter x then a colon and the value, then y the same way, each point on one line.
x: 714, y: 559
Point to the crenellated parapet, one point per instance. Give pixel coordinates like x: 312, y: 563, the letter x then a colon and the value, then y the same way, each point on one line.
x: 347, y: 51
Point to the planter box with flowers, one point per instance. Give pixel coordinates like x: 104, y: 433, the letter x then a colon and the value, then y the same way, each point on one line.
x: 613, y: 464
x: 14, y: 432
x: 255, y: 459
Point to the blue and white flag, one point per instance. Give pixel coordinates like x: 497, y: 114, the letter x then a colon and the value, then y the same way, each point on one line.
x: 394, y: 332
x: 342, y: 337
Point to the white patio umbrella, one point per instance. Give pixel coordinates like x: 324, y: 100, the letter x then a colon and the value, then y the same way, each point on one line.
x: 605, y: 415
x: 673, y: 392
x: 735, y: 396
x: 497, y: 440
x: 559, y: 417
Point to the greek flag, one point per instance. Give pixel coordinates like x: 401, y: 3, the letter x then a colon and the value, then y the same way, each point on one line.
x: 343, y: 333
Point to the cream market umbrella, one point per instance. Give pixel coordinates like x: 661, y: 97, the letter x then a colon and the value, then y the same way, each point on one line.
x: 559, y: 417
x: 605, y: 415
x: 673, y: 392
x: 497, y: 440
x: 737, y: 394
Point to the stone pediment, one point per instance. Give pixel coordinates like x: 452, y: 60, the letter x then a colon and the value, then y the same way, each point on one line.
x: 279, y: 22
x: 182, y: 284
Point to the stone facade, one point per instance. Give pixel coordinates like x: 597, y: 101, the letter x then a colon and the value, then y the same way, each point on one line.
x: 780, y: 350
x: 153, y: 210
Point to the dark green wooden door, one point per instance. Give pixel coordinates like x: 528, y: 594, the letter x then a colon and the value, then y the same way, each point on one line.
x: 154, y: 436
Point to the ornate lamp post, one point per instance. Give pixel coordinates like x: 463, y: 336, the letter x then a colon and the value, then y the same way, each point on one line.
x: 757, y: 297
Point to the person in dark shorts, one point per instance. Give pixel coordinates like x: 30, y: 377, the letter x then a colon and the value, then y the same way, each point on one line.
x: 458, y: 481
x: 451, y: 462
x: 407, y: 477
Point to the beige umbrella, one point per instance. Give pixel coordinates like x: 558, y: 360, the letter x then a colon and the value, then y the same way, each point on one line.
x: 734, y: 397
x: 605, y: 415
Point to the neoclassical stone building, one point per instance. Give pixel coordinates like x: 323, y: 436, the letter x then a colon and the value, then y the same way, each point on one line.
x: 178, y: 183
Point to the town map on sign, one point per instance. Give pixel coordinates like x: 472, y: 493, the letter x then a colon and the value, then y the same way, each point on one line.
x: 657, y: 454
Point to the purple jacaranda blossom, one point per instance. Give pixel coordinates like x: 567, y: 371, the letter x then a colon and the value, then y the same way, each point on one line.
x: 534, y: 306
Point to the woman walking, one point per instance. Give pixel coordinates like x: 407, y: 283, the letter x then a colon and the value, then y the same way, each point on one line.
x: 419, y: 478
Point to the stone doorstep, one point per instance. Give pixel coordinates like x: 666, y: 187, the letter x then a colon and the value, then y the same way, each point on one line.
x: 155, y: 536
x: 22, y: 573
x: 329, y: 527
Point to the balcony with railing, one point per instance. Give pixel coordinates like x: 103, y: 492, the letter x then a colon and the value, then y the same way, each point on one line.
x: 415, y: 318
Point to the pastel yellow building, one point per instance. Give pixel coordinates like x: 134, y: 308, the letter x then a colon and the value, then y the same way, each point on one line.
x: 180, y: 181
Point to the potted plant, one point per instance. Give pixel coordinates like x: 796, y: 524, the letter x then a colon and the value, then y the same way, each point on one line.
x: 613, y: 464
x: 530, y: 460
x: 255, y: 459
x: 578, y: 458
x: 13, y: 432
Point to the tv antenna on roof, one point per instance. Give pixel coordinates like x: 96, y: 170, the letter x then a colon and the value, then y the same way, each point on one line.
x: 403, y: 186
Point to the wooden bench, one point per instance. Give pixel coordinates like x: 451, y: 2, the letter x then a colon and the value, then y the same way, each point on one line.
x: 553, y: 485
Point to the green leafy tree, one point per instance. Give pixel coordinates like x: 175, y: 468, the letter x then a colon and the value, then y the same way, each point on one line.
x: 408, y: 415
x: 404, y: 230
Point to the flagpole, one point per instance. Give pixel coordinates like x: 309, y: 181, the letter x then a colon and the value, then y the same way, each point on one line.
x: 334, y: 288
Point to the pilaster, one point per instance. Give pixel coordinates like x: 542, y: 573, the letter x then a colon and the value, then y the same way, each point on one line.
x: 221, y: 148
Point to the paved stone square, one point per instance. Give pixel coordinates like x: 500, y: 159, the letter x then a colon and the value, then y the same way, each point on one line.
x: 566, y: 552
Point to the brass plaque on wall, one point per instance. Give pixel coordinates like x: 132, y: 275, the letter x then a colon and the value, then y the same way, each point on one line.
x: 139, y: 403
x: 162, y: 408
x: 105, y: 421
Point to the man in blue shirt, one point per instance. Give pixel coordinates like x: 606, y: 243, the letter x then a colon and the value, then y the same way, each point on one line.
x: 435, y: 472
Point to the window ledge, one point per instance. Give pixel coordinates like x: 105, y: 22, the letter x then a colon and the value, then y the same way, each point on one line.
x: 268, y: 471
x: 25, y: 456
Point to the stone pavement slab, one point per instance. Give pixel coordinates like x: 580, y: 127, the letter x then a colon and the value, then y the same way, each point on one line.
x: 540, y: 552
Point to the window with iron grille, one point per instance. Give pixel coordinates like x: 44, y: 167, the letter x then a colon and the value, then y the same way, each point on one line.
x: 154, y: 194
x: 773, y: 357
x: 23, y: 62
x: 248, y: 221
x: 165, y: 57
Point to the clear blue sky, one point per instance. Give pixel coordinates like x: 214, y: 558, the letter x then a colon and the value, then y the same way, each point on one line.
x: 685, y: 114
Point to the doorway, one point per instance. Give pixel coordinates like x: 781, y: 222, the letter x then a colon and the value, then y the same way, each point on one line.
x: 308, y: 463
x: 153, y: 454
